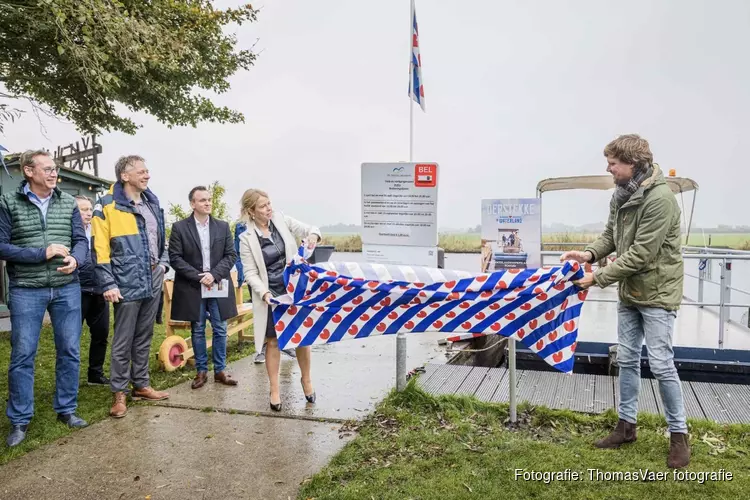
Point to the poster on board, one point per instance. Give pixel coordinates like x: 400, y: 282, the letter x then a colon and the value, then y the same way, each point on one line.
x: 511, y: 234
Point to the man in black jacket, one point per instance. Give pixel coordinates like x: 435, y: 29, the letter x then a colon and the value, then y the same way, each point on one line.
x: 94, y: 309
x: 201, y: 251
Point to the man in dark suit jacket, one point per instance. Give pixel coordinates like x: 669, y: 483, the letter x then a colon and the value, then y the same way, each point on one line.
x: 201, y: 251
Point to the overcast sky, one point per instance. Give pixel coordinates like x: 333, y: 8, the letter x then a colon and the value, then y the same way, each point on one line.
x: 516, y: 91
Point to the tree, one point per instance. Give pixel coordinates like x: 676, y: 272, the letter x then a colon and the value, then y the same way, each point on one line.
x: 82, y: 57
x: 219, y: 208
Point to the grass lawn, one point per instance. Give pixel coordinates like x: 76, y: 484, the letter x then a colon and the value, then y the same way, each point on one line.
x: 93, y: 401
x: 418, y: 447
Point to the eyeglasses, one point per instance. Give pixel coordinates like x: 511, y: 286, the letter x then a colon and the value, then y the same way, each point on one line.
x: 49, y: 170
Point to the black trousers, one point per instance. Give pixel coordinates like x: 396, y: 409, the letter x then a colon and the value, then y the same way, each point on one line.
x: 95, y: 312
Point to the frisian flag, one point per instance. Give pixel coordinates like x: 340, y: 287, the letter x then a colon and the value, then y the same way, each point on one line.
x: 416, y: 90
x: 333, y: 301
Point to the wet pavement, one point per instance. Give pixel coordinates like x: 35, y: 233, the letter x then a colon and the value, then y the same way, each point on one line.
x: 184, y: 449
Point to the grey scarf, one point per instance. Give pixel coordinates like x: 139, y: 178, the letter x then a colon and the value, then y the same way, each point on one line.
x: 624, y: 192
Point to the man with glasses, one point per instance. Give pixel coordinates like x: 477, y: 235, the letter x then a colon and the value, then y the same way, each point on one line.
x: 43, y: 242
x: 129, y: 241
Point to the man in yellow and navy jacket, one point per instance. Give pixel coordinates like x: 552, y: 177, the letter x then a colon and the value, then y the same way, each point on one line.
x: 128, y: 240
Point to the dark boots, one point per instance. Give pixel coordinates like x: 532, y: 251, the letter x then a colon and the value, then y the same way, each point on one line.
x: 679, y: 451
x: 623, y: 433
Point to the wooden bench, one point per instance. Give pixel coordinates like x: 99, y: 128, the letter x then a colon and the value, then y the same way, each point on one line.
x: 176, y: 351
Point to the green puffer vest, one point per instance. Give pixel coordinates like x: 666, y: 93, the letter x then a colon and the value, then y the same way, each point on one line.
x: 30, y: 231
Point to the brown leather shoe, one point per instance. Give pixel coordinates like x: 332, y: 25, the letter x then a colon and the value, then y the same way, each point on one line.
x: 200, y: 380
x: 149, y: 394
x: 119, y: 406
x: 679, y: 451
x: 623, y: 433
x: 223, y: 378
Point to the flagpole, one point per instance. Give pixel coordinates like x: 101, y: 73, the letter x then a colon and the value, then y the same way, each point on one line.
x: 401, y: 335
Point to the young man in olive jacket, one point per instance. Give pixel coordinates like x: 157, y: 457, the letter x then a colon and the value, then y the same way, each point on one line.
x: 644, y: 230
x: 43, y: 242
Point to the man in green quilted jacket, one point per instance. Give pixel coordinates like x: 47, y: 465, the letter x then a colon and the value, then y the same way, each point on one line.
x: 644, y: 230
x: 43, y: 242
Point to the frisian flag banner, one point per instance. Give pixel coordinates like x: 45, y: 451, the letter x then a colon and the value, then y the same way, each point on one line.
x: 334, y: 301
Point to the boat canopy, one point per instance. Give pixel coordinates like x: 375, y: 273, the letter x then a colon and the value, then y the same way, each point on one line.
x: 605, y: 182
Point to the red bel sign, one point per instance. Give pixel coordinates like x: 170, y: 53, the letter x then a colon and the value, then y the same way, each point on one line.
x: 425, y: 175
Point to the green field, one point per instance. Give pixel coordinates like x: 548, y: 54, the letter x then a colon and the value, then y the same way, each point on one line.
x: 470, y: 242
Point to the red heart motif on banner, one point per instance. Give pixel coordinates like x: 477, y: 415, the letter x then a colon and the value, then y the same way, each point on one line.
x: 421, y: 314
x: 526, y: 306
x: 542, y: 296
x: 521, y: 333
x: 376, y: 308
x: 290, y: 288
x: 576, y: 266
x: 324, y: 286
x: 353, y: 330
x: 464, y: 305
x: 495, y: 327
x: 450, y: 284
x: 582, y: 294
x: 404, y: 306
x: 450, y: 314
x: 452, y: 296
x: 573, y: 347
x: 392, y: 315
x: 381, y: 327
x: 560, y: 286
x: 418, y: 285
x: 280, y: 326
x: 292, y: 310
x: 540, y: 345
x: 331, y: 297
x: 409, y: 325
x: 538, y: 290
x: 510, y: 316
x: 306, y: 297
x: 336, y: 318
x: 342, y: 281
x: 480, y: 315
x: 564, y: 305
x: 320, y: 309
x: 533, y: 323
x: 438, y: 324
x: 348, y: 288
x: 308, y: 322
x: 494, y: 306
x: 481, y: 278
x: 534, y: 278
x: 550, y: 315
x: 416, y: 300
x: 385, y: 302
x: 435, y: 305
x: 296, y: 338
x: 325, y: 334
x: 514, y: 271
x: 553, y: 336
x: 372, y: 284
x: 465, y: 325
x: 364, y: 317
x: 570, y: 325
x: 313, y: 274
x: 486, y: 294
x: 501, y: 285
x: 331, y: 273
x: 347, y: 309
x: 557, y: 357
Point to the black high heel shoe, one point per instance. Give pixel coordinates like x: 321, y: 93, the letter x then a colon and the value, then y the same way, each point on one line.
x: 311, y: 397
x: 274, y: 407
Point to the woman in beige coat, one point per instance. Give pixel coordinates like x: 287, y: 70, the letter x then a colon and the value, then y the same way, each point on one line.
x: 266, y: 247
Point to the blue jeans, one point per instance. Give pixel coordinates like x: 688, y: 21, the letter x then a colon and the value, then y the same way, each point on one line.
x: 210, y: 309
x: 27, y: 307
x: 657, y: 326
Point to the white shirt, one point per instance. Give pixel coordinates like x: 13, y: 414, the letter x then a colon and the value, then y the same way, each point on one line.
x: 205, y: 237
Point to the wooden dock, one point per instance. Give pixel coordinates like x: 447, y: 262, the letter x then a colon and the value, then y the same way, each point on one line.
x: 723, y: 403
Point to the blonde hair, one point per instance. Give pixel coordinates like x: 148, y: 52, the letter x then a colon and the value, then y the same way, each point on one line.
x: 248, y: 202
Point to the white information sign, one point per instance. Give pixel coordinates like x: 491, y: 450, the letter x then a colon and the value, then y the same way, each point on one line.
x: 400, y: 255
x: 399, y: 204
x: 511, y: 234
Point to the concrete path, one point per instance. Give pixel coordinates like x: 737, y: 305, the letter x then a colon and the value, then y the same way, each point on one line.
x: 221, y: 442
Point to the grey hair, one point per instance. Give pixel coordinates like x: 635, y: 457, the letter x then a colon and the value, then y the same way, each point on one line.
x: 83, y: 198
x: 124, y: 163
x: 28, y: 158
